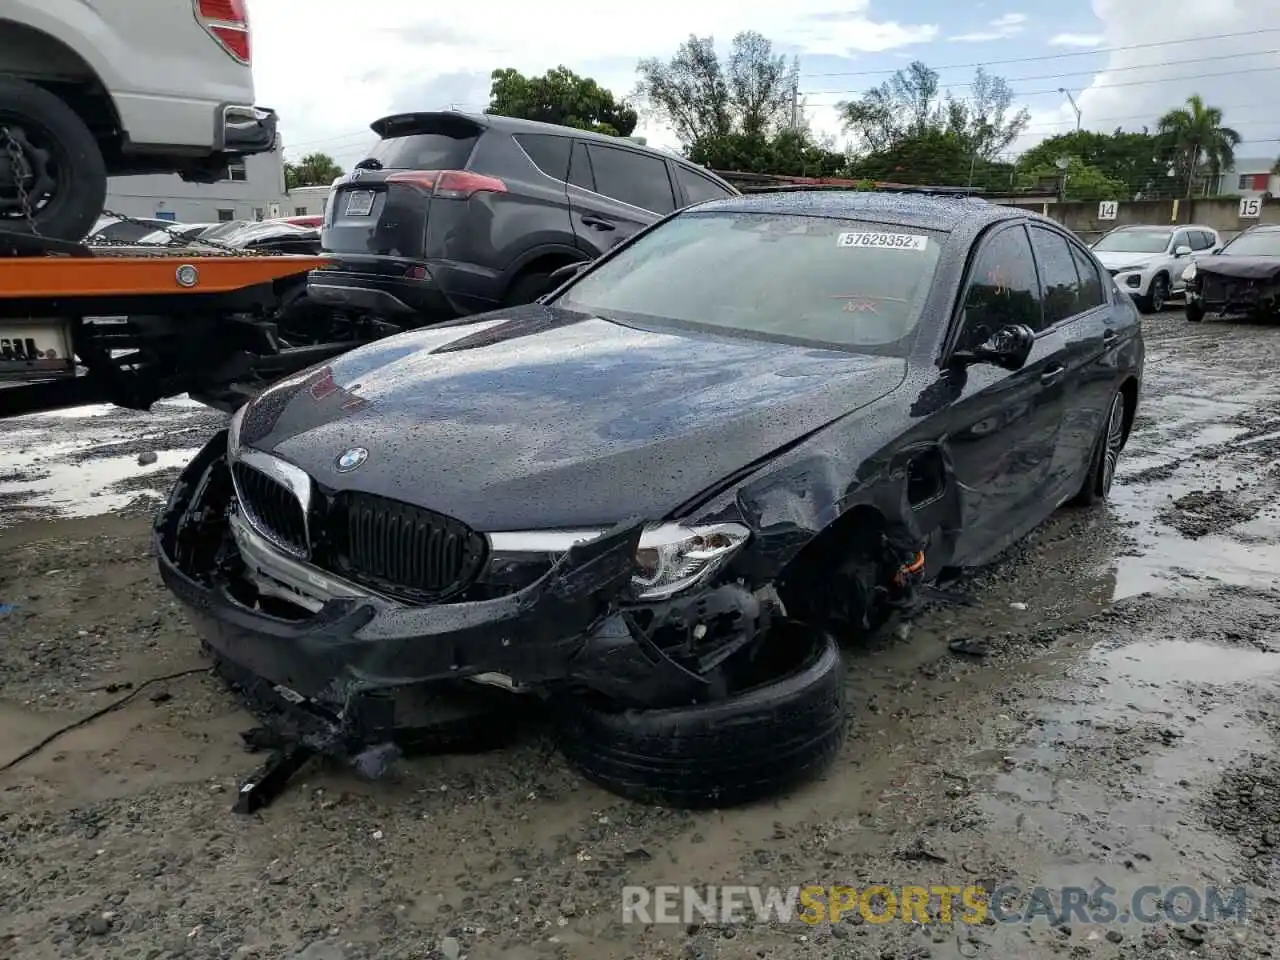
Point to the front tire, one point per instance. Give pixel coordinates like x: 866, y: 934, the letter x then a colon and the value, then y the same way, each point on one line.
x: 753, y: 744
x: 1195, y: 312
x: 1157, y: 295
x: 65, y: 176
x: 1106, y: 455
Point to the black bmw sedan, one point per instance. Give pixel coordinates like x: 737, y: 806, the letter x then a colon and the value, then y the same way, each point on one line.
x: 658, y: 498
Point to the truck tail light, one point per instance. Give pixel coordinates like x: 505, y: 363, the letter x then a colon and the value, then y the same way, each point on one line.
x: 227, y: 21
x: 450, y: 184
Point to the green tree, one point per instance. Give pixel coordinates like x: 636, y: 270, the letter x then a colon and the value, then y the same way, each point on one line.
x: 313, y: 170
x: 1083, y: 181
x: 1275, y: 168
x: 791, y: 153
x: 932, y: 156
x: 560, y: 96
x: 753, y: 93
x: 1204, y: 146
x: 1140, y: 161
x: 910, y: 105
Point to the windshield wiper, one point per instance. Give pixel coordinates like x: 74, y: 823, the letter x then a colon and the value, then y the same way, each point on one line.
x: 369, y: 163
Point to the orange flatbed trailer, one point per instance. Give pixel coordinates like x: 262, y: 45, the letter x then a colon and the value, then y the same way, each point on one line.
x: 129, y: 325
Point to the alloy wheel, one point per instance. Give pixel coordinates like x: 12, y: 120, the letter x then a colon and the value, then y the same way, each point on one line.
x: 1113, y: 443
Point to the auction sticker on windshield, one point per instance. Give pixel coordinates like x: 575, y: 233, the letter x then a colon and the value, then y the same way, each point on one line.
x: 886, y: 241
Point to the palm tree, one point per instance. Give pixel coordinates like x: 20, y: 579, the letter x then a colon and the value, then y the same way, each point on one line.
x: 315, y: 169
x: 1200, y: 138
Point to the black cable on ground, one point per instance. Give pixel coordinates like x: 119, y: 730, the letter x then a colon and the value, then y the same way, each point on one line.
x: 84, y: 721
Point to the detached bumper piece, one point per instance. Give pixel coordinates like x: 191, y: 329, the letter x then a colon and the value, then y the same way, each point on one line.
x: 697, y: 701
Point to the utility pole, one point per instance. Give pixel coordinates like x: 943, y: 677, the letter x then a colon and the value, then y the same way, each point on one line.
x: 1072, y: 100
x: 795, y: 104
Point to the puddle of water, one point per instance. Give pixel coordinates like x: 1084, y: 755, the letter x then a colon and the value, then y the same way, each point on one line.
x: 1185, y: 661
x: 1094, y: 771
x: 84, y: 489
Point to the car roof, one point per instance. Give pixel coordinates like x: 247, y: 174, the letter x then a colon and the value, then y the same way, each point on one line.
x: 497, y: 122
x: 930, y: 211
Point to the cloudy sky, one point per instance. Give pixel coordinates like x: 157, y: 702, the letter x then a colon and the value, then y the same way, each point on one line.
x: 331, y: 66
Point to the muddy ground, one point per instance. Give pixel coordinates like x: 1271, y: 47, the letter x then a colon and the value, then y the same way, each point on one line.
x: 1122, y: 730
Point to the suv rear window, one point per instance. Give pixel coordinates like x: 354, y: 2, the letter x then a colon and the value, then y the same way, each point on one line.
x: 424, y: 151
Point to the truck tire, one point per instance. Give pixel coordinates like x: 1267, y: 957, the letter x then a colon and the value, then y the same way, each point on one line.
x: 67, y: 178
x: 756, y: 743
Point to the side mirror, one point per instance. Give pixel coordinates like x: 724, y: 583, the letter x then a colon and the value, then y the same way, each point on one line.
x: 1008, y: 348
x: 1182, y: 250
x: 561, y: 274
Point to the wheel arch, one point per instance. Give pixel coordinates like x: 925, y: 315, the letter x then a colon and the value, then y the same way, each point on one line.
x: 540, y: 259
x: 1129, y: 389
x: 31, y: 54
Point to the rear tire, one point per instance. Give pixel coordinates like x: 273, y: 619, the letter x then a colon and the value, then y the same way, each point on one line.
x: 529, y: 287
x: 1106, y: 454
x: 751, y: 745
x: 65, y: 168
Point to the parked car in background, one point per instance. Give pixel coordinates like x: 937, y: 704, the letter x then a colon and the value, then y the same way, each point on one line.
x: 273, y: 235
x: 114, y: 87
x: 453, y: 213
x: 305, y: 220
x: 1148, y: 262
x: 116, y: 230
x: 659, y: 494
x: 1243, y: 278
x: 176, y: 233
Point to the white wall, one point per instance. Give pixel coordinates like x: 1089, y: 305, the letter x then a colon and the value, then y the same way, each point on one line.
x: 150, y: 195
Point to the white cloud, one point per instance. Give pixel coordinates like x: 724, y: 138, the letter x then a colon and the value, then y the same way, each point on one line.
x: 1077, y: 40
x: 329, y: 72
x: 1009, y: 25
x: 1141, y: 82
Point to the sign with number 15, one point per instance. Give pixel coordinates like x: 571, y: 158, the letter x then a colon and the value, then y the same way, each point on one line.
x: 1250, y: 208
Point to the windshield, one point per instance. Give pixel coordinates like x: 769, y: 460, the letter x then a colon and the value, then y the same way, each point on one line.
x: 800, y: 279
x: 1134, y: 241
x: 1264, y: 243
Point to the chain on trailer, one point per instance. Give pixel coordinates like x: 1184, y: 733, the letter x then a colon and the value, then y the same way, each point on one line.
x: 177, y: 245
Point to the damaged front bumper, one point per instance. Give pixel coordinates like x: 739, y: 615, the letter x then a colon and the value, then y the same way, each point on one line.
x: 1227, y: 296
x: 574, y: 625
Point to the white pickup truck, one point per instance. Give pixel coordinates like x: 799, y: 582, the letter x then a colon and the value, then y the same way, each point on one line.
x: 97, y: 88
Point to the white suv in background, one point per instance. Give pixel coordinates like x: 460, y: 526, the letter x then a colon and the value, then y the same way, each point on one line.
x: 1148, y: 262
x: 116, y: 87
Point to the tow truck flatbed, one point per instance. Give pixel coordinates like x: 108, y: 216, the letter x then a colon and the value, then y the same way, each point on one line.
x: 131, y: 325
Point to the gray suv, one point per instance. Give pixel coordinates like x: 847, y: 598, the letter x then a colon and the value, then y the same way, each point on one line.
x: 453, y: 214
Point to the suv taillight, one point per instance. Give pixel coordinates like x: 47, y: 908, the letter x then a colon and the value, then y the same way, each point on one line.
x: 227, y: 21
x: 450, y: 184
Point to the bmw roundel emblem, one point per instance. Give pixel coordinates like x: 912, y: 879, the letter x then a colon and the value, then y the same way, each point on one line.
x: 348, y: 460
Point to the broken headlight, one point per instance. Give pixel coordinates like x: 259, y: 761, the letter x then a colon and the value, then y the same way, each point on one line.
x: 669, y: 558
x: 672, y: 558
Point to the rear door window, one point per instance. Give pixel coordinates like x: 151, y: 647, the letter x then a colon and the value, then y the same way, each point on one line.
x: 1092, y: 289
x: 425, y: 151
x: 549, y: 153
x: 580, y: 174
x: 1059, y: 281
x: 697, y: 188
x: 633, y: 178
x: 1003, y: 289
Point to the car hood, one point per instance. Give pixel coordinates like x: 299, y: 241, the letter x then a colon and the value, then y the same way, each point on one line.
x: 539, y: 418
x: 1114, y: 260
x: 1243, y: 268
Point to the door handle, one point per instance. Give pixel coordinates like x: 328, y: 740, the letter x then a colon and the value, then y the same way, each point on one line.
x: 1109, y: 335
x: 599, y: 224
x: 1053, y: 375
